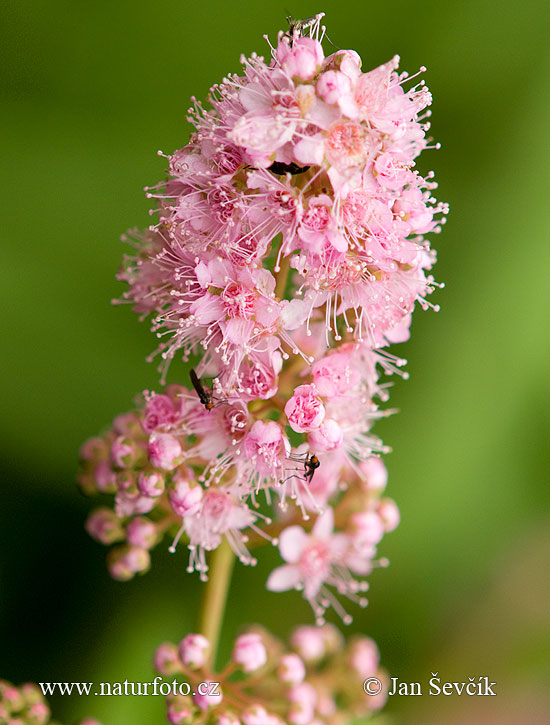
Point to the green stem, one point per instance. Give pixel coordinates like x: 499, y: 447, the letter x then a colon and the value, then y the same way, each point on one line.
x: 215, y: 595
x: 281, y: 277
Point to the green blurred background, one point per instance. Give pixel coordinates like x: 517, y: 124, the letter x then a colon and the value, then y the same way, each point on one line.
x: 90, y: 91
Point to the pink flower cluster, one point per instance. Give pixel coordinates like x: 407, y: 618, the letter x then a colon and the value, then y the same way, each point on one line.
x: 289, y: 249
x: 26, y: 705
x: 317, y: 679
x: 176, y: 467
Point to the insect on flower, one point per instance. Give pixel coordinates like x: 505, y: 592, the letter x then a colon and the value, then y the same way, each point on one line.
x: 311, y: 464
x: 205, y: 396
x: 295, y: 27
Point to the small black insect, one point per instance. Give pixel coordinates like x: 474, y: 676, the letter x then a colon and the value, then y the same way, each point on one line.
x: 205, y: 396
x: 311, y: 464
x: 278, y: 167
x: 295, y: 27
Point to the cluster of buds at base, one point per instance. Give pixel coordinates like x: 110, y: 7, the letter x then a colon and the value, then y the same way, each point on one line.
x: 317, y: 679
x: 26, y: 705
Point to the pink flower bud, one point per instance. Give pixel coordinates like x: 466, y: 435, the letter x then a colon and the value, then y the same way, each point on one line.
x: 302, y: 59
x: 94, y: 449
x: 142, y: 533
x: 303, y: 698
x: 185, y: 497
x: 137, y: 559
x: 194, y: 651
x: 375, y: 475
x: 389, y: 513
x: 256, y: 715
x: 249, y: 652
x: 31, y: 693
x: 332, y: 85
x: 364, y: 657
x: 159, y: 411
x: 309, y: 642
x: 151, y: 483
x: 37, y: 714
x: 208, y: 700
x: 326, y: 438
x: 367, y: 527
x: 228, y: 718
x: 291, y: 669
x: 166, y: 659
x: 179, y: 713
x: 304, y: 410
x: 126, y: 424
x: 105, y: 477
x: 131, y: 504
x: 164, y: 451
x: 104, y: 526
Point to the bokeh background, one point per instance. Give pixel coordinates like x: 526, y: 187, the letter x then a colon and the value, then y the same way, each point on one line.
x: 90, y: 91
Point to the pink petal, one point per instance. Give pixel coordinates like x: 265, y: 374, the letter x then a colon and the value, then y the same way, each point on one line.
x: 291, y: 543
x: 282, y: 578
x: 324, y: 525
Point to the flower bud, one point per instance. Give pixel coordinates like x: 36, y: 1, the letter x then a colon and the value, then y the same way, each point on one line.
x: 141, y: 532
x: 309, y: 643
x: 94, y: 449
x: 185, y: 497
x: 104, y: 526
x: 164, y: 451
x: 291, y: 669
x: 249, y: 652
x: 364, y: 657
x: 208, y: 700
x: 228, y: 718
x: 151, y: 483
x: 127, y: 424
x: 194, y: 651
x: 367, y: 527
x: 303, y: 698
x: 166, y: 659
x: 124, y: 452
x: 374, y: 474
x: 37, y: 714
x: 389, y: 513
x: 304, y: 410
x: 105, y: 477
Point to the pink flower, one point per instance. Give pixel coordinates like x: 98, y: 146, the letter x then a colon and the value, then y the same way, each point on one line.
x: 264, y: 445
x: 313, y: 561
x: 249, y: 652
x: 304, y: 410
